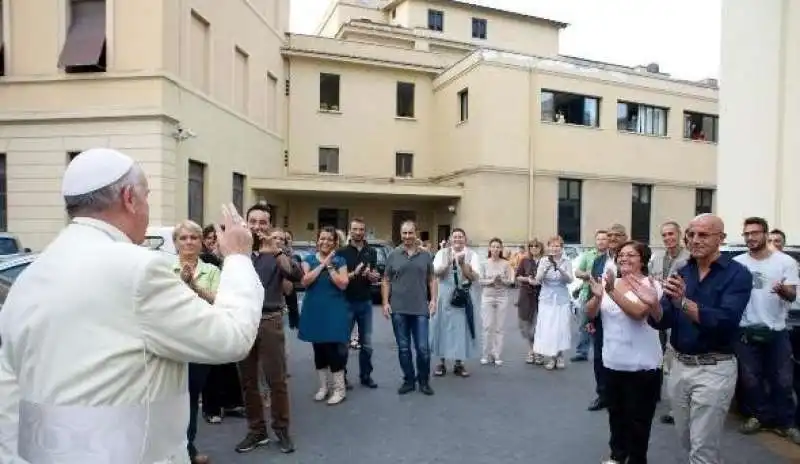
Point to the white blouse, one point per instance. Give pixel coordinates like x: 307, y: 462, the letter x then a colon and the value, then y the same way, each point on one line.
x: 629, y: 345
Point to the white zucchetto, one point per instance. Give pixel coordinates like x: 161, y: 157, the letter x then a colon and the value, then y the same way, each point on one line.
x: 94, y: 169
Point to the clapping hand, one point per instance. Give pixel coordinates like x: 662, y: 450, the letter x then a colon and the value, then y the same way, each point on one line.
x: 609, y: 280
x: 359, y: 269
x: 328, y: 260
x: 187, y: 273
x: 596, y: 286
x: 675, y: 287
x: 646, y: 293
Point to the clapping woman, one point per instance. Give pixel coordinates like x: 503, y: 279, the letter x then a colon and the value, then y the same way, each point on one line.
x: 554, y: 323
x: 631, y: 351
x: 324, y: 321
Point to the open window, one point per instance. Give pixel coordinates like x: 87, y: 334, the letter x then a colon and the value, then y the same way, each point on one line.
x: 85, y: 47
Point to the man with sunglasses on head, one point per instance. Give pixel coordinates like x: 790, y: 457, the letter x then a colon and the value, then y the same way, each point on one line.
x: 702, y: 306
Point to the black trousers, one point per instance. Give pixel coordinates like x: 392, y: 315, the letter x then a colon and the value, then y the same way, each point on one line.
x: 198, y: 373
x: 222, y: 390
x: 632, y: 398
x: 329, y: 356
x: 599, y: 369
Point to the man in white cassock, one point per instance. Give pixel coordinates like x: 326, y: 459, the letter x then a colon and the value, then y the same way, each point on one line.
x: 96, y: 334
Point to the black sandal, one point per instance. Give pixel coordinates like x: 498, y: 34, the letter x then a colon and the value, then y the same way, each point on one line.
x: 440, y: 370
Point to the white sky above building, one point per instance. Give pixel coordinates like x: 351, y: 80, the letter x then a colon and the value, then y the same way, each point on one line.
x: 682, y: 36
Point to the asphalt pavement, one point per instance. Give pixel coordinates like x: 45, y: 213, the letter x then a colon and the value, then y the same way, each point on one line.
x: 510, y: 414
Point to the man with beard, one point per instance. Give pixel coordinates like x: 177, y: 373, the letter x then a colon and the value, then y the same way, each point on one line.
x: 764, y: 350
x: 361, y: 260
x: 273, y: 266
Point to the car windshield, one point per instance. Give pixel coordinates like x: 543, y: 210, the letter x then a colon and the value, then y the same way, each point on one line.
x: 153, y: 242
x: 9, y: 246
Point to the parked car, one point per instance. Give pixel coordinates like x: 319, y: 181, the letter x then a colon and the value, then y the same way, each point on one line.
x: 160, y: 238
x: 10, y: 269
x: 11, y: 246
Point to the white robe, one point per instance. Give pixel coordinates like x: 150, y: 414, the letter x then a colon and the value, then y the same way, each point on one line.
x: 96, y: 335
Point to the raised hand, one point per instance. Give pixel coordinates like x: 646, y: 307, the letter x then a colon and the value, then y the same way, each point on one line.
x: 236, y: 239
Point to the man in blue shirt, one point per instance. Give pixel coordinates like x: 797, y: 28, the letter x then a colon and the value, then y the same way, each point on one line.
x: 703, y: 304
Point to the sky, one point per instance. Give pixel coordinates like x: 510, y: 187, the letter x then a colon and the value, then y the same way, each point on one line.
x: 682, y: 36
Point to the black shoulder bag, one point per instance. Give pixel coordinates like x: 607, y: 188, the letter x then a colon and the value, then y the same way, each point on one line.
x: 461, y: 293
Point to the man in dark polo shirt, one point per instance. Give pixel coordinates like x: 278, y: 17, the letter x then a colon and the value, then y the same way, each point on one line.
x: 362, y: 260
x: 703, y: 304
x: 406, y: 282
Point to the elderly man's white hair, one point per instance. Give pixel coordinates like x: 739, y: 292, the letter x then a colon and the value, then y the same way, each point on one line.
x: 95, y: 179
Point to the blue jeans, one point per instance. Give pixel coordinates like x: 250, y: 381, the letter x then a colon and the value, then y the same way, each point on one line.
x: 584, y: 337
x: 361, y: 315
x: 405, y: 327
x: 769, y: 362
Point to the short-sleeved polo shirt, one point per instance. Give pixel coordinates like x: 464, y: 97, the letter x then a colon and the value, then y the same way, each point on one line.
x: 408, y: 276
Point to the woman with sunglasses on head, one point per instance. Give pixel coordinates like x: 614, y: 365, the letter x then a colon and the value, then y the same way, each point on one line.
x: 631, y: 351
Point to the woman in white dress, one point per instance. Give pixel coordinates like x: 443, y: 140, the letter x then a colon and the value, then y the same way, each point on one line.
x: 553, y: 326
x: 631, y: 351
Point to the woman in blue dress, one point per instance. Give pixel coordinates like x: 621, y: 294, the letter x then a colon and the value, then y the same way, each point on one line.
x: 324, y: 320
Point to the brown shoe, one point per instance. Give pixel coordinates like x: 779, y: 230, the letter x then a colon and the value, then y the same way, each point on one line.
x: 201, y: 459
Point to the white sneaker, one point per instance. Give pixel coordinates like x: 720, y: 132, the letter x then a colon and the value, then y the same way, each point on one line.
x: 550, y: 365
x: 560, y: 363
x: 484, y: 361
x: 498, y: 362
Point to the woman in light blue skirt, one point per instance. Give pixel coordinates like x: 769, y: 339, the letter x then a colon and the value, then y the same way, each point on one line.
x: 455, y: 330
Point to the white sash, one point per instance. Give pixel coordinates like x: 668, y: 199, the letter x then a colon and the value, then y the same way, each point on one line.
x: 105, y: 434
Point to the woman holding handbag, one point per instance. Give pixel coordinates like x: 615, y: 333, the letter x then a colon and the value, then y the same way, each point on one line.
x: 454, y: 330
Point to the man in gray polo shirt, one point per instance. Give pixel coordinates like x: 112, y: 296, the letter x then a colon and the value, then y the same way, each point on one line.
x: 406, y: 282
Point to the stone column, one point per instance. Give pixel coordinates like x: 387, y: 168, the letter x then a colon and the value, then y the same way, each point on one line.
x: 758, y: 163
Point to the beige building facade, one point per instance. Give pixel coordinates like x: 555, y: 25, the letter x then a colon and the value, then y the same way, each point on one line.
x: 447, y: 113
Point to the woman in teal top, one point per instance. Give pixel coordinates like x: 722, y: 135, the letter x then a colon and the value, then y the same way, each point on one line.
x: 324, y: 320
x: 203, y: 278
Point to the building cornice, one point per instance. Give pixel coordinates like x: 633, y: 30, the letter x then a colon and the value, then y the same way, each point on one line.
x: 294, y: 53
x: 459, y: 174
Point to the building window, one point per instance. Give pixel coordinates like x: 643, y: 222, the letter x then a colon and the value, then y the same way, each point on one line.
x: 237, y: 191
x: 405, y: 99
x: 570, y: 108
x: 404, y: 165
x: 329, y: 92
x: 569, y: 209
x: 478, y: 28
x: 85, y: 47
x: 197, y: 186
x: 200, y: 52
x: 329, y: 160
x: 330, y: 217
x: 241, y: 80
x: 642, y: 119
x: 3, y: 194
x: 436, y: 20
x: 703, y: 201
x: 2, y: 44
x: 640, y: 212
x: 463, y: 105
x: 699, y: 126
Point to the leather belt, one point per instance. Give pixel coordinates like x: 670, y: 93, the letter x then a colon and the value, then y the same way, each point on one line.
x: 705, y: 359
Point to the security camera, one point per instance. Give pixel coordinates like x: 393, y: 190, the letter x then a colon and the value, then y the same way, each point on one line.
x: 183, y: 133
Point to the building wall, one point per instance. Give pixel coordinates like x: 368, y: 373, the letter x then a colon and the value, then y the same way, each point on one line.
x: 366, y: 129
x: 155, y: 83
x: 759, y: 140
x: 504, y: 31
